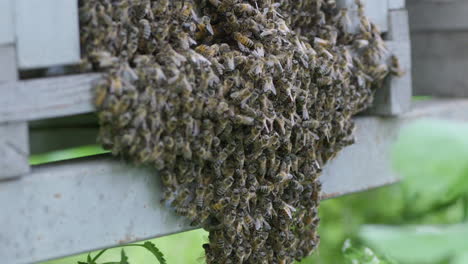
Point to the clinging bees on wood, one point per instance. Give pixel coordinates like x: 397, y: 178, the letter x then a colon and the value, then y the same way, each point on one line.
x: 237, y: 104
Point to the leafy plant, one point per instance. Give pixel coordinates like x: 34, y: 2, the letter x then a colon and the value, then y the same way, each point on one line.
x: 362, y: 255
x: 123, y: 257
x: 432, y: 158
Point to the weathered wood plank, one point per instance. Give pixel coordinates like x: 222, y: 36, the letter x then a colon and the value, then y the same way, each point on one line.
x: 47, y: 98
x: 47, y: 33
x: 8, y: 68
x: 14, y: 145
x: 51, y: 213
x: 441, y: 15
x: 14, y: 150
x: 440, y: 62
x: 7, y: 35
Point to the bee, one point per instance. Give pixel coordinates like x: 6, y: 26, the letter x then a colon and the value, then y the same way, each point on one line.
x: 395, y: 67
x: 204, y: 26
x: 159, y: 7
x: 181, y: 198
x: 245, y: 9
x: 206, y: 50
x: 224, y: 186
x: 221, y: 204
x: 243, y: 41
x: 229, y: 218
x: 248, y: 221
x: 145, y: 28
x: 243, y: 120
x: 187, y: 12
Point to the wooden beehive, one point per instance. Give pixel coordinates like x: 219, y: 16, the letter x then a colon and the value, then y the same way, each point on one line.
x: 61, y: 208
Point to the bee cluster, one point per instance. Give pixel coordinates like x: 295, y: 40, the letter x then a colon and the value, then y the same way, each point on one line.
x: 238, y: 104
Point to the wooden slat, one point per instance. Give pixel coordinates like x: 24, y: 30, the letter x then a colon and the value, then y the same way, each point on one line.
x: 76, y: 206
x: 442, y: 15
x: 47, y: 98
x: 47, y: 33
x: 440, y: 62
x: 14, y: 150
x: 8, y: 69
x: 14, y: 146
x: 396, y: 4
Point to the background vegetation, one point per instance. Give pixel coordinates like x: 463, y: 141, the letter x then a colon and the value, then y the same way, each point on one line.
x: 421, y: 220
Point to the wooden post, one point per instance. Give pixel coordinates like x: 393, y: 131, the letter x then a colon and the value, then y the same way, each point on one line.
x: 14, y: 144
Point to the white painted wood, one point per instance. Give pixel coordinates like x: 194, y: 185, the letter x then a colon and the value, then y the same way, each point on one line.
x: 8, y: 67
x: 7, y: 35
x: 396, y: 4
x: 47, y: 33
x: 376, y: 10
x: 448, y: 15
x: 14, y: 145
x: 14, y: 150
x: 440, y: 62
x: 75, y: 206
x: 47, y: 98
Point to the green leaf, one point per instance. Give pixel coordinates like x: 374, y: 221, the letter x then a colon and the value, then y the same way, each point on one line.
x: 155, y: 251
x: 90, y: 261
x: 362, y: 255
x: 417, y: 243
x: 123, y: 258
x: 431, y: 155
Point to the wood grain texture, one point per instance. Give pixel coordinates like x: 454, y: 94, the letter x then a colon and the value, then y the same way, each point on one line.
x: 50, y: 216
x: 46, y: 98
x: 440, y: 62
x: 47, y: 33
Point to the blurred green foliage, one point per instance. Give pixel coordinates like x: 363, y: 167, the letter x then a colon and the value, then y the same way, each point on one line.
x: 421, y: 220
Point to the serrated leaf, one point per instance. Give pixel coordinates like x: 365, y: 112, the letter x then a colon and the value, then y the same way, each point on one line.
x: 123, y: 258
x: 155, y: 251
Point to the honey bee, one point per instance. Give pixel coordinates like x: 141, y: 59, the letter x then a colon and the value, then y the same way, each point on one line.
x: 187, y: 12
x: 224, y: 186
x: 145, y: 28
x: 243, y: 41
x: 395, y: 66
x: 159, y: 7
x: 221, y: 204
x: 245, y: 9
x: 204, y: 26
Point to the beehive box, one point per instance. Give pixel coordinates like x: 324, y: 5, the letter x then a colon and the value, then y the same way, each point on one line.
x: 49, y: 214
x: 440, y: 47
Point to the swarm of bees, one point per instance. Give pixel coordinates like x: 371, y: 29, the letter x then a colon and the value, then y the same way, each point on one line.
x: 238, y: 104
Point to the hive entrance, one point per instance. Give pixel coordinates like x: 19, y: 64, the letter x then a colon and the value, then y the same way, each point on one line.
x: 238, y: 104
